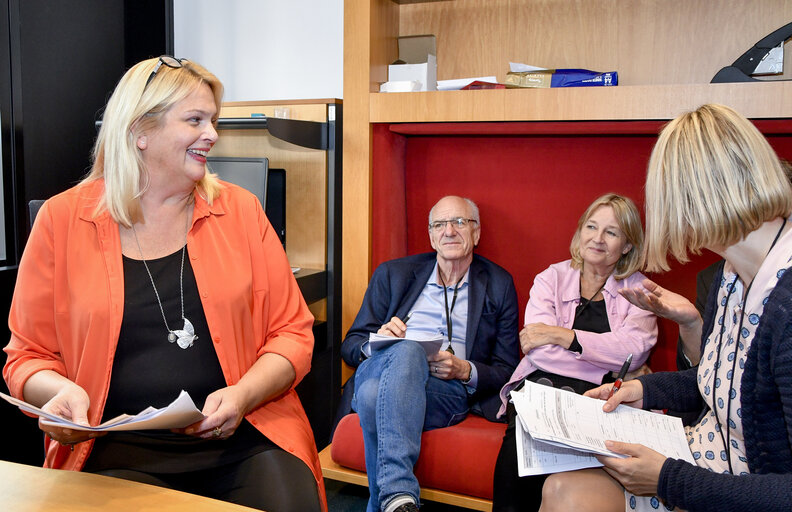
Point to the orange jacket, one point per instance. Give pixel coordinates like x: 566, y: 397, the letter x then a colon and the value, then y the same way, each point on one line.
x: 69, y: 299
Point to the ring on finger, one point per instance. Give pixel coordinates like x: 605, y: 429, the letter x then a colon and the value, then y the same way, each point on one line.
x: 217, y: 432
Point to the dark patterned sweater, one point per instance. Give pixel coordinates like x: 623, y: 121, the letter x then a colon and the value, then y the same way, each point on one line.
x: 766, y: 401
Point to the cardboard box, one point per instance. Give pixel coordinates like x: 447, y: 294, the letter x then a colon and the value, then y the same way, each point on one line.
x: 416, y: 49
x: 425, y: 73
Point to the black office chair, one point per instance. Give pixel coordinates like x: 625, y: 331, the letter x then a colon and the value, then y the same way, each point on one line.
x: 33, y: 208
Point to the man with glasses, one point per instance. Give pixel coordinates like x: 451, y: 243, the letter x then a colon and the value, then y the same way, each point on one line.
x: 465, y: 300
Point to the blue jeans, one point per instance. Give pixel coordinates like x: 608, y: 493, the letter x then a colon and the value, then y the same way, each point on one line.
x: 396, y: 400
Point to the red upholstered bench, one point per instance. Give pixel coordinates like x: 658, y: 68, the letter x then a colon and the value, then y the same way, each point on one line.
x: 456, y: 464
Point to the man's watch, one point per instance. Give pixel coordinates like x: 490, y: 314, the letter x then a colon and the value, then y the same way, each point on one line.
x: 470, y: 373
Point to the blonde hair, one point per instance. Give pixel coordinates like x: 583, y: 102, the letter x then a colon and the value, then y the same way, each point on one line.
x: 629, y: 220
x: 712, y: 179
x: 135, y: 106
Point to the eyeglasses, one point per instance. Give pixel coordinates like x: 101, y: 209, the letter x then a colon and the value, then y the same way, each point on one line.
x: 171, y: 62
x: 457, y: 223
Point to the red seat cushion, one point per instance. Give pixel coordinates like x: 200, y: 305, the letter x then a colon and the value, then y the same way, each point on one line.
x: 459, y: 459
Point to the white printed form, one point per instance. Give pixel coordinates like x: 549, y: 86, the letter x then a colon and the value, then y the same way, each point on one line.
x: 180, y: 413
x: 574, y: 421
x: 538, y: 458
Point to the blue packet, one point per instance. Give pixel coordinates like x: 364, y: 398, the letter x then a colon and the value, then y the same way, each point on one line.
x: 583, y: 78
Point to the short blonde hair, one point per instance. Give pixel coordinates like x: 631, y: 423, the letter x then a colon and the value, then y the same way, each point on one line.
x: 712, y: 179
x: 136, y: 106
x: 629, y: 220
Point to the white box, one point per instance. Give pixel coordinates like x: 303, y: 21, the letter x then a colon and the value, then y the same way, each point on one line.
x: 425, y: 73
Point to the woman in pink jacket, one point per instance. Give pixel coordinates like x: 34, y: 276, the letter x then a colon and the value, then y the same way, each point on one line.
x: 578, y: 329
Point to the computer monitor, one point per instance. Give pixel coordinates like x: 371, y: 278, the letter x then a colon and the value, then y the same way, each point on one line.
x: 254, y: 174
x: 248, y: 173
x: 276, y: 202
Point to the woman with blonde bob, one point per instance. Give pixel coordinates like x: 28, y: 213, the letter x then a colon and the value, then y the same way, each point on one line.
x: 151, y: 277
x: 578, y: 329
x: 713, y: 182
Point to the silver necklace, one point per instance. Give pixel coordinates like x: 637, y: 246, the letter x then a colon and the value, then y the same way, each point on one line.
x: 183, y: 337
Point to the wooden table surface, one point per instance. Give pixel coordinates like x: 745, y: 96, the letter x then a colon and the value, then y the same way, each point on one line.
x: 26, y: 488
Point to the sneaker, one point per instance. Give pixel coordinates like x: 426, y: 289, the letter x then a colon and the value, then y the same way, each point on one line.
x: 407, y: 507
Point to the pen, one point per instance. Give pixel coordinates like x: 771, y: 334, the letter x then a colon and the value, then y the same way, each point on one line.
x: 620, y: 378
x: 407, y: 318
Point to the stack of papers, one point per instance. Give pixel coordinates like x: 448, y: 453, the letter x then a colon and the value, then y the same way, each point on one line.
x: 558, y: 430
x: 458, y: 83
x: 431, y: 345
x: 180, y: 413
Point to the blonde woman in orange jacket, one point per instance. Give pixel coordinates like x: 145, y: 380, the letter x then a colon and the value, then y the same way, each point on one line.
x: 153, y: 276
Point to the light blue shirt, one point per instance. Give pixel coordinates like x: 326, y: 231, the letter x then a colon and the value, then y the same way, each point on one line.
x: 428, y: 318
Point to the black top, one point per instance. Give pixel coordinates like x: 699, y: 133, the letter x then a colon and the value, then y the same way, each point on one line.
x: 590, y: 316
x: 150, y: 371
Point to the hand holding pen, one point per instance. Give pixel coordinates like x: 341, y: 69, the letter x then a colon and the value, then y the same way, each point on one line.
x: 620, y: 378
x: 629, y: 393
x: 396, y: 327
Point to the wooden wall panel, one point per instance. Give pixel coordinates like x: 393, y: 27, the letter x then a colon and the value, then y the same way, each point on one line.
x: 646, y: 41
x: 306, y: 176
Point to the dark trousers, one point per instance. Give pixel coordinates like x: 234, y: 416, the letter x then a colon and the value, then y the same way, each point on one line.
x: 511, y: 492
x: 272, y: 480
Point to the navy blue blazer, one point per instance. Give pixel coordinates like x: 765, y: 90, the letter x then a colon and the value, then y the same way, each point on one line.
x: 492, y: 316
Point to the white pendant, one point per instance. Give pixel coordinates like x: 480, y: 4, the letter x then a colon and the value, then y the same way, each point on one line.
x: 184, y: 337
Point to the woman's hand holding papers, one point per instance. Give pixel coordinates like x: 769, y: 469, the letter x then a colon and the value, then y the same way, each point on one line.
x: 224, y: 410
x: 639, y: 473
x: 630, y: 393
x: 69, y: 401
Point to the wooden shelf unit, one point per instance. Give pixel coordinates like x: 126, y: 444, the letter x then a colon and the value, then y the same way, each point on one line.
x: 764, y: 100
x: 666, y: 52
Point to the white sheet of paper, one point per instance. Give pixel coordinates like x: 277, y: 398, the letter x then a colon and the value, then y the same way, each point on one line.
x: 180, y: 413
x: 538, y: 458
x: 431, y: 345
x: 458, y: 83
x: 578, y: 422
x: 519, y: 67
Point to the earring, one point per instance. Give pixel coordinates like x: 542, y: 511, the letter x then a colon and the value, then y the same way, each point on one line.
x: 141, y: 142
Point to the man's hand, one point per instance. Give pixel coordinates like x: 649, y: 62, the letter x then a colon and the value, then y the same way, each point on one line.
x: 444, y: 365
x: 536, y: 335
x: 395, y: 328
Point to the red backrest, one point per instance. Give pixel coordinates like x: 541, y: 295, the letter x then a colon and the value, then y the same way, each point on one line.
x: 531, y: 181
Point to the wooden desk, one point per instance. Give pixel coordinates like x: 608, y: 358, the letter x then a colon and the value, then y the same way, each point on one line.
x: 31, y: 489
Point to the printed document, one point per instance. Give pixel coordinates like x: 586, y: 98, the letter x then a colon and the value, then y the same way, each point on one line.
x: 554, y: 417
x: 180, y: 413
x: 538, y: 458
x: 431, y: 345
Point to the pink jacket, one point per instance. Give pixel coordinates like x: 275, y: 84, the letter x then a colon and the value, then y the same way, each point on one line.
x: 554, y: 297
x: 69, y: 301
